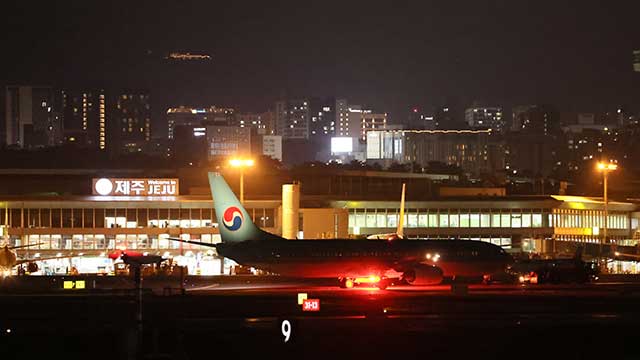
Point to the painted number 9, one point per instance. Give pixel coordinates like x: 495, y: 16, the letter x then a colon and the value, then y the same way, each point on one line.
x: 286, y: 329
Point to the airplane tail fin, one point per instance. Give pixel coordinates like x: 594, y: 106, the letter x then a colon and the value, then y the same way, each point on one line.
x: 400, y: 230
x: 234, y: 222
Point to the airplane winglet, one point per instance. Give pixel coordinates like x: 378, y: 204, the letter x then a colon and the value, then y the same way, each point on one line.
x: 400, y: 230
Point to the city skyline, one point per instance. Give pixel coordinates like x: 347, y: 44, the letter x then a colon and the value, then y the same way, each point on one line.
x: 541, y: 79
x: 410, y: 55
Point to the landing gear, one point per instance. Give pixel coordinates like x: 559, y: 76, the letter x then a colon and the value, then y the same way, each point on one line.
x: 383, y: 284
x: 346, y: 283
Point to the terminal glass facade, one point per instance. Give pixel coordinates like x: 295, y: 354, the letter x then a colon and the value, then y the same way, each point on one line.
x: 110, y: 228
x: 487, y: 218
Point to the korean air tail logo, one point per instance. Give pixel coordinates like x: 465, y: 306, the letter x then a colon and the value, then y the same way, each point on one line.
x: 232, y: 218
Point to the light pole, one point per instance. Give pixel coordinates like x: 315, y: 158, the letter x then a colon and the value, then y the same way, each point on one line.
x: 605, y: 168
x: 241, y: 164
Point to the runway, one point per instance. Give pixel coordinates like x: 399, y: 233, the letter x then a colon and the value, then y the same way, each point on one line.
x: 234, y: 318
x: 602, y: 288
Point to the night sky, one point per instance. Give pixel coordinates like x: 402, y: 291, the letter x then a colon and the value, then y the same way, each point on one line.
x: 391, y: 55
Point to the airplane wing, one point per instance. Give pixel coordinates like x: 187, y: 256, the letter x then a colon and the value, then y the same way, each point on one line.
x: 24, y: 246
x: 23, y: 261
x: 623, y: 256
x: 194, y: 242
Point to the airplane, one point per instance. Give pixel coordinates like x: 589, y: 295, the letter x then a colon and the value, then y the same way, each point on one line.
x: 9, y: 259
x: 377, y: 262
x: 399, y: 234
x: 556, y: 270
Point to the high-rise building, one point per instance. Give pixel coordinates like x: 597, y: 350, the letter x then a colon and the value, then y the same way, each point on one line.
x: 474, y: 151
x: 531, y: 153
x: 28, y: 118
x: 419, y: 120
x: 342, y: 116
x: 189, y: 144
x: 130, y: 127
x: 292, y: 119
x: 195, y: 116
x: 223, y: 141
x: 445, y: 119
x: 187, y: 130
x: 262, y: 122
x: 268, y: 119
x: 358, y: 121
x: 272, y: 146
x: 322, y: 118
x: 250, y: 120
x: 485, y: 118
x: 182, y: 116
x: 535, y: 119
x: 350, y: 124
x: 371, y: 121
x: 584, y: 143
x: 84, y: 117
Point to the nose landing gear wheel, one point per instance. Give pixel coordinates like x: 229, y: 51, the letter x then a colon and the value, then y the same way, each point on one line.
x: 383, y: 284
x: 346, y: 283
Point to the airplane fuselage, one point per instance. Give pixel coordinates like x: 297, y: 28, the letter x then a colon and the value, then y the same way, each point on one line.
x: 350, y: 258
x: 142, y: 260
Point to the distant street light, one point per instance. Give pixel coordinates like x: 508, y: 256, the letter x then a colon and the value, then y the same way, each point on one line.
x: 605, y: 168
x: 241, y: 164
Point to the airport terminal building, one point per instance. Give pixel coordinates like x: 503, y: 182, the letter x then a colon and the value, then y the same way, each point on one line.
x: 91, y: 226
x: 522, y: 223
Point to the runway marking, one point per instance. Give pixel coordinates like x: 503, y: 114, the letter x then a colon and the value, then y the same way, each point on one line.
x: 251, y: 287
x: 605, y: 316
x: 208, y: 287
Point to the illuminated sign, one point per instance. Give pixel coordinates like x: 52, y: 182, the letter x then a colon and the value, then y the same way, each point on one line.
x: 135, y: 187
x: 576, y: 231
x: 301, y: 298
x: 341, y: 145
x: 311, y: 305
x: 73, y: 285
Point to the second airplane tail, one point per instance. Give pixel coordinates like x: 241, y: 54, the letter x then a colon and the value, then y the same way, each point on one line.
x: 400, y: 230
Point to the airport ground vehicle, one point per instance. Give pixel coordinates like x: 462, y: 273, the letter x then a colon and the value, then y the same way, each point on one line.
x: 554, y: 271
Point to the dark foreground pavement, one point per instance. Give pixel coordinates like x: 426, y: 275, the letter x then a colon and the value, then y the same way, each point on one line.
x: 511, y: 322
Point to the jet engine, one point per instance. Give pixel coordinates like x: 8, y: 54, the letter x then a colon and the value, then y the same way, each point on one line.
x: 32, y: 267
x: 423, y: 275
